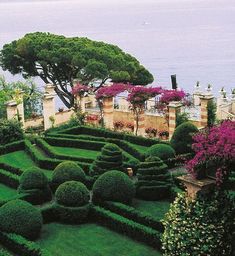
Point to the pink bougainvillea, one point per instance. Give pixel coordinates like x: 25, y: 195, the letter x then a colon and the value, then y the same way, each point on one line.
x: 80, y: 89
x: 172, y: 95
x: 111, y: 91
x: 215, y: 152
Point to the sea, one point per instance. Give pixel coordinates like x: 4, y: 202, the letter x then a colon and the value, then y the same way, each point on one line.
x: 194, y: 39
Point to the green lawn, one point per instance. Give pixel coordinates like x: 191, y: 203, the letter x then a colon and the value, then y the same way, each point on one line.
x: 90, y: 240
x: 6, y: 192
x: 22, y: 160
x: 155, y: 208
x: 77, y: 152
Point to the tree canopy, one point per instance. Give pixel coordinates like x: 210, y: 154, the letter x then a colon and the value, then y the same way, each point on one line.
x: 59, y: 60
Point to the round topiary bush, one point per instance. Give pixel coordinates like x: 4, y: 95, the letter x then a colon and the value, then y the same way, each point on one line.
x: 111, y: 158
x: 162, y: 151
x: 72, y: 194
x: 33, y: 178
x: 113, y: 186
x: 182, y: 140
x: 67, y: 171
x: 35, y: 184
x: 22, y: 218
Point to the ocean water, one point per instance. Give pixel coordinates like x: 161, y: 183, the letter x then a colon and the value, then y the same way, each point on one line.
x: 194, y: 39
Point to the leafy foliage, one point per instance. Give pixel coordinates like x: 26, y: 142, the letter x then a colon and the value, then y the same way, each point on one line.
x: 198, y: 228
x: 10, y: 130
x: 21, y: 218
x: 60, y: 60
x: 72, y: 193
x: 211, y: 112
x: 182, y: 140
x: 113, y: 186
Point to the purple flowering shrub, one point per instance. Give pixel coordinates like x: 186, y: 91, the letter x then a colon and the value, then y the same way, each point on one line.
x: 215, y: 152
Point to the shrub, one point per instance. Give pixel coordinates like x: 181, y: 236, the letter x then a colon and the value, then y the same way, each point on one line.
x: 199, y: 227
x: 10, y: 130
x: 72, y: 193
x: 34, y: 183
x: 21, y: 218
x: 32, y: 178
x: 162, y: 151
x: 182, y: 140
x: 111, y: 158
x: 154, y: 182
x: 113, y: 186
x: 67, y: 171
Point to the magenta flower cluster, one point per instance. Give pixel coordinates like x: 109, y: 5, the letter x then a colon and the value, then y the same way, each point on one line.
x: 80, y: 89
x: 215, y: 150
x: 172, y: 95
x: 139, y: 94
x: 111, y: 91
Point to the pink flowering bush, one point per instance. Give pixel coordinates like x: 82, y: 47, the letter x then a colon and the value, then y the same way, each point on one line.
x: 80, y: 89
x: 172, y: 95
x: 215, y: 152
x: 111, y: 91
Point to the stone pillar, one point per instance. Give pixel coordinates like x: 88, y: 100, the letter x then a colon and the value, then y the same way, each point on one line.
x: 205, y: 99
x: 173, y: 108
x: 11, y: 109
x: 196, y: 95
x: 108, y: 112
x: 141, y: 127
x: 193, y: 186
x: 48, y: 106
x: 233, y: 103
x: 49, y: 88
x: 20, y: 108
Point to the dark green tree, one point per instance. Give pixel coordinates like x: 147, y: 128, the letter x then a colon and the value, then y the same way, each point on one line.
x: 59, y: 60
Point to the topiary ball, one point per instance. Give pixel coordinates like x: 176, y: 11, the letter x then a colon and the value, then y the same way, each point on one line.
x: 162, y: 151
x: 67, y: 171
x: 33, y: 178
x: 113, y: 186
x: 22, y: 218
x: 72, y: 194
x: 182, y: 140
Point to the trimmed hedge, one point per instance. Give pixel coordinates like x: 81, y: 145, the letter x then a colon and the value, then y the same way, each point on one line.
x: 21, y: 246
x: 110, y: 159
x: 182, y: 140
x: 72, y: 194
x: 162, y: 151
x: 101, y: 132
x: 45, y: 162
x: 11, y: 169
x: 50, y: 151
x: 67, y: 171
x: 11, y: 147
x: 154, y: 182
x: 125, y: 226
x: 34, y: 183
x: 113, y: 186
x: 133, y: 214
x: 21, y: 218
x: 9, y: 179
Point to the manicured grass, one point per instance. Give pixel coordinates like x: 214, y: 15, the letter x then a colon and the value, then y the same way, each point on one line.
x: 77, y: 152
x: 20, y: 159
x: 6, y: 192
x: 90, y: 240
x: 155, y: 208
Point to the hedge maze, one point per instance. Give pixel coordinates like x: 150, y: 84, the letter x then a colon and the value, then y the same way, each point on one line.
x: 58, y: 171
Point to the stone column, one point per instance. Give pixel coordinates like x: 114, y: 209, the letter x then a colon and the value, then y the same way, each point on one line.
x: 49, y: 88
x: 233, y: 103
x: 196, y: 95
x: 11, y: 109
x: 173, y: 108
x: 141, y: 127
x: 205, y: 99
x: 20, y: 108
x: 48, y: 106
x: 108, y: 112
